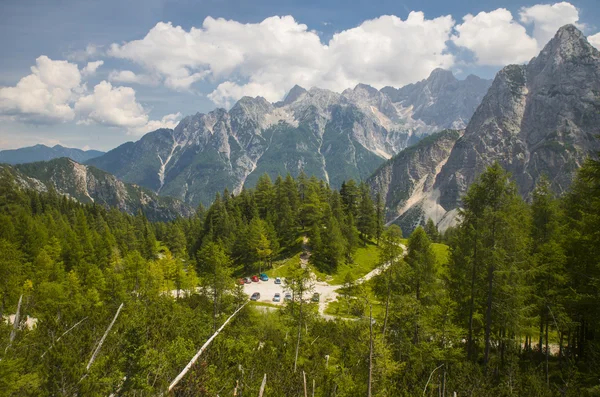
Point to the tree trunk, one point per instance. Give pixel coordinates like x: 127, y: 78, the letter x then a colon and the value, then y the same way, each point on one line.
x: 541, y: 341
x: 370, y: 349
x: 299, y: 331
x: 560, y: 349
x: 472, y: 301
x: 547, y: 355
x: 488, y: 314
x: 387, y: 308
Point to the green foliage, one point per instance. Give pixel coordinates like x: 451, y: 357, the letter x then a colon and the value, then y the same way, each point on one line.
x: 508, y: 307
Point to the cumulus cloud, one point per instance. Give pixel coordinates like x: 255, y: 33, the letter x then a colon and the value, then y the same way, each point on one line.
x: 547, y: 19
x: 495, y: 38
x: 91, y: 67
x: 118, y: 107
x: 111, y: 106
x: 269, y: 57
x: 45, y: 95
x: 168, y: 121
x: 595, y: 40
x: 127, y: 76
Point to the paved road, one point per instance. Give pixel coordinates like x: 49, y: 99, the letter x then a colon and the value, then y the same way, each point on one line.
x: 328, y: 293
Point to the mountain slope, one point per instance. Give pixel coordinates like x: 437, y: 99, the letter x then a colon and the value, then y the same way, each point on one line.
x: 441, y: 99
x: 45, y: 153
x: 330, y: 135
x: 405, y: 182
x: 88, y: 184
x: 537, y: 119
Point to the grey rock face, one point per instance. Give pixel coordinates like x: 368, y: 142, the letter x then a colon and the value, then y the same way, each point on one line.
x: 536, y: 119
x: 406, y: 181
x: 441, y: 99
x: 330, y: 135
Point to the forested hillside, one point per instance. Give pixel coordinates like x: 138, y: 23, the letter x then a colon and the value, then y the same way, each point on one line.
x: 511, y: 310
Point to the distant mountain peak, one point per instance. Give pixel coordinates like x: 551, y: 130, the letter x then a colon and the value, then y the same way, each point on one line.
x: 294, y: 94
x: 42, y: 152
x: 438, y: 73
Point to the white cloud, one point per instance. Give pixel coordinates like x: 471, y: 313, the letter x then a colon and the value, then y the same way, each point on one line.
x: 547, y: 19
x: 168, y: 121
x: 595, y: 40
x: 111, y: 106
x: 495, y: 38
x: 127, y: 76
x: 118, y: 107
x: 45, y: 95
x: 269, y: 57
x: 91, y: 67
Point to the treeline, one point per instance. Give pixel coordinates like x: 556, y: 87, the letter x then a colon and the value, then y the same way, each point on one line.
x: 70, y: 266
x: 515, y: 310
x: 259, y: 225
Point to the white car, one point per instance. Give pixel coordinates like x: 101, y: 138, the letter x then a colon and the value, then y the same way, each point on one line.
x: 277, y: 297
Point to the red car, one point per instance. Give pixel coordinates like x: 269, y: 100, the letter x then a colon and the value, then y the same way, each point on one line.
x: 241, y: 281
x: 255, y: 279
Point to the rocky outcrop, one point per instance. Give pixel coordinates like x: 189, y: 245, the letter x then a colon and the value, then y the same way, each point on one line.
x: 406, y: 181
x: 88, y: 184
x: 441, y: 100
x: 538, y: 119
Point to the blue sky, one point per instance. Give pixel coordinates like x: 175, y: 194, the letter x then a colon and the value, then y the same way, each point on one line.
x: 107, y: 72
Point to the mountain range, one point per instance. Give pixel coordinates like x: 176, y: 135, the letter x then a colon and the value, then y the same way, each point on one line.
x: 420, y: 146
x: 538, y: 119
x: 88, y: 184
x: 330, y: 135
x: 44, y: 153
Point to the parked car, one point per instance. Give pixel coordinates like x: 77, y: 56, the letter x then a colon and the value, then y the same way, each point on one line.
x: 255, y: 279
x: 247, y: 280
x: 277, y: 297
x: 287, y: 297
x: 277, y: 280
x: 241, y: 281
x: 255, y: 296
x: 264, y: 277
x: 315, y: 297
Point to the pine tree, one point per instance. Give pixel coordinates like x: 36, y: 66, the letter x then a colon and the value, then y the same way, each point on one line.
x: 432, y: 231
x: 214, y: 269
x: 264, y: 195
x: 366, y: 218
x: 421, y: 260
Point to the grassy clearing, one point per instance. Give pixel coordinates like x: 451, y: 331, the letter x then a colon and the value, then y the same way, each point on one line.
x: 283, y: 267
x: 442, y: 253
x: 365, y: 259
x: 265, y: 304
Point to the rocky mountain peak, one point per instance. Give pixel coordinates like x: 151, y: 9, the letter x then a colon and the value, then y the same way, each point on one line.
x: 568, y: 45
x: 295, y: 93
x: 440, y: 78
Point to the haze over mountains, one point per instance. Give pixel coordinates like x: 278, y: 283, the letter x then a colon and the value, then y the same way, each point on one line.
x: 332, y: 136
x: 45, y: 153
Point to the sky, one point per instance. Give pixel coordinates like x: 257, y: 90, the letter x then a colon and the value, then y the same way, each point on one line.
x: 96, y: 74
